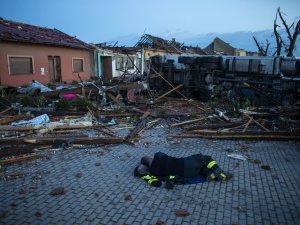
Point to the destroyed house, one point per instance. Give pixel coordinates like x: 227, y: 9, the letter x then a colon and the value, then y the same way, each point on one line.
x: 220, y: 47
x: 115, y: 62
x: 30, y: 52
x: 154, y: 46
x: 150, y: 42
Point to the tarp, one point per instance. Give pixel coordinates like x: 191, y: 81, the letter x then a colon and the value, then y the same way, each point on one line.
x: 42, y: 119
x: 33, y: 87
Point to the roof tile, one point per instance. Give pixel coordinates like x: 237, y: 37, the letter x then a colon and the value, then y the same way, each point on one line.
x: 26, y: 33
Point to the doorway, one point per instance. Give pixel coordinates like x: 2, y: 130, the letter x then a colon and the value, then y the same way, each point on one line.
x: 106, y: 67
x: 54, y: 68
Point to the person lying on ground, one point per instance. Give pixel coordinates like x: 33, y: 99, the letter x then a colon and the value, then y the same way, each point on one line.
x: 163, y: 167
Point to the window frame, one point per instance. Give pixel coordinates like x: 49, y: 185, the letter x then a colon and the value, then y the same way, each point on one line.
x: 20, y: 56
x: 76, y: 58
x: 131, y: 67
x: 122, y: 63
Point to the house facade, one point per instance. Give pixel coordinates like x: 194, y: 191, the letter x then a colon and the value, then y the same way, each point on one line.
x: 36, y: 53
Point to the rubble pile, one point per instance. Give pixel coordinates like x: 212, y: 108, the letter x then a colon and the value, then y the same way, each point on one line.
x: 37, y: 118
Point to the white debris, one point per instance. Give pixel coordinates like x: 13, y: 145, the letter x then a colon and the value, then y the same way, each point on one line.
x: 237, y: 156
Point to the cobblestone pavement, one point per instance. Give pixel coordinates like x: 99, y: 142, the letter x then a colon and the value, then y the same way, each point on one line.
x: 101, y: 189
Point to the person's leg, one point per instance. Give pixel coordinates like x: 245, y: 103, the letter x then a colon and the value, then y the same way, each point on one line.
x: 212, y: 170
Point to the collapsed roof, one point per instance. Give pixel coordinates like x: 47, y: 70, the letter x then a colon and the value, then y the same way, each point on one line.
x: 150, y: 41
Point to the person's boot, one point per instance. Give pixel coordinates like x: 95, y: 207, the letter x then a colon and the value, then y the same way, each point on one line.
x: 152, y: 180
x: 224, y: 176
x: 170, y: 182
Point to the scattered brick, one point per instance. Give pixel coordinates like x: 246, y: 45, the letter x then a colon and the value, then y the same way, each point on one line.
x: 58, y: 191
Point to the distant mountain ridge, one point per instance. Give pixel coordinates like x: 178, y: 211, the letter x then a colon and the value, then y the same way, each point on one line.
x: 241, y: 39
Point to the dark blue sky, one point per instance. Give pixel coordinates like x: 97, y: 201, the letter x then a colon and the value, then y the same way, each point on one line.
x: 104, y: 20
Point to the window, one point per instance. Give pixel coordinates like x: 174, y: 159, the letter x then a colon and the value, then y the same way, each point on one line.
x: 20, y: 65
x: 119, y: 63
x: 130, y: 61
x: 77, y: 65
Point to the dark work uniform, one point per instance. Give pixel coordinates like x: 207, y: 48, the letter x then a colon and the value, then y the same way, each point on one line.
x: 164, y: 165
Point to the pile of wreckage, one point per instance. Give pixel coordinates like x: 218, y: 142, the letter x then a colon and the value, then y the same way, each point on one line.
x: 91, y: 114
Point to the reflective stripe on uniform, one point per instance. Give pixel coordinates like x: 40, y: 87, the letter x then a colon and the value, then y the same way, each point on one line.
x: 211, y: 164
x: 148, y: 177
x: 151, y: 180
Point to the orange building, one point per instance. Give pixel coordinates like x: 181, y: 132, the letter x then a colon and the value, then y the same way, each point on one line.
x: 36, y: 53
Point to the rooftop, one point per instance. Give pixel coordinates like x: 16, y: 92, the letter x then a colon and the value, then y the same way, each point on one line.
x: 26, y: 33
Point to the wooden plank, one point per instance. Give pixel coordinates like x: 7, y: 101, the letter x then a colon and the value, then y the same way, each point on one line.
x: 98, y: 140
x: 75, y: 140
x: 246, y: 125
x: 136, y: 130
x: 118, y: 115
x: 179, y: 86
x: 15, y: 150
x: 115, y: 99
x: 65, y: 127
x: 10, y: 119
x: 159, y: 75
x: 145, y: 115
x: 186, y: 122
x: 216, y: 125
x: 240, y: 136
x: 256, y: 122
x: 19, y: 159
x: 105, y: 132
x: 5, y: 110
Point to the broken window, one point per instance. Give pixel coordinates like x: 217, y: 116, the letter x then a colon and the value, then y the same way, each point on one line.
x: 138, y: 64
x: 130, y: 61
x: 77, y: 65
x: 119, y: 63
x: 20, y: 65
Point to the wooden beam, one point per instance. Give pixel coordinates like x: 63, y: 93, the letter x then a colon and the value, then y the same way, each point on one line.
x: 75, y: 140
x: 250, y: 136
x: 117, y: 115
x: 10, y: 119
x: 19, y: 159
x: 145, y: 115
x: 256, y: 122
x: 64, y: 139
x: 15, y: 150
x: 186, y: 122
x: 5, y: 110
x: 217, y: 125
x: 136, y: 130
x: 115, y: 99
x: 65, y: 127
x: 179, y: 86
x: 159, y: 75
x: 247, y: 124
